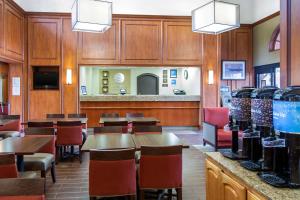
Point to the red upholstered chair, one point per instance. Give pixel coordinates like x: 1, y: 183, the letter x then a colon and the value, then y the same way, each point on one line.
x: 8, y: 168
x: 147, y: 130
x: 161, y: 168
x: 112, y: 173
x: 44, y: 159
x: 69, y: 133
x: 84, y: 126
x: 11, y: 129
x: 213, y: 133
x: 22, y: 189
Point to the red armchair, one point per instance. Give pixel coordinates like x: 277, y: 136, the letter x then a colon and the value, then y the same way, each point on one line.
x: 161, y: 168
x: 22, y: 189
x: 213, y: 128
x: 8, y: 168
x: 112, y: 173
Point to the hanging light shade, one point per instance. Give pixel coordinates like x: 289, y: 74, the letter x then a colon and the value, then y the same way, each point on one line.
x: 216, y: 17
x: 91, y: 15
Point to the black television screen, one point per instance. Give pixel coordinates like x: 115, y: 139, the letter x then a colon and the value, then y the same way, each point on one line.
x: 45, y: 78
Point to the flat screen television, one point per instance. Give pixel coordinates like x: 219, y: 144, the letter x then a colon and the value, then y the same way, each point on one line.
x: 45, y: 78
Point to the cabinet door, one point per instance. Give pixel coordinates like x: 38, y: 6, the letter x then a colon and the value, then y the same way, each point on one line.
x: 44, y: 41
x: 1, y: 27
x: 253, y: 196
x: 181, y: 44
x: 141, y: 42
x: 100, y: 48
x: 14, y: 33
x: 212, y: 181
x: 231, y: 189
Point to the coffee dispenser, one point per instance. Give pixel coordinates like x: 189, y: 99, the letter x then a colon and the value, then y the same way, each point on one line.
x: 286, y: 166
x: 240, y: 119
x: 262, y: 121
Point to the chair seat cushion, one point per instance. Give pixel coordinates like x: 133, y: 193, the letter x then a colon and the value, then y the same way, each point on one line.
x: 38, y: 161
x: 225, y: 136
x: 29, y: 174
x: 6, y: 134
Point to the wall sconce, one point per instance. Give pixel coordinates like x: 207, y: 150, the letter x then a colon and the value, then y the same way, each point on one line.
x: 210, y: 77
x: 69, y: 76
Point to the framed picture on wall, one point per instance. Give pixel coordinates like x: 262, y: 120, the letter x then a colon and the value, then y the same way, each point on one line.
x: 105, y: 74
x: 104, y: 89
x: 105, y: 81
x: 233, y: 70
x: 173, y: 73
x: 83, y: 90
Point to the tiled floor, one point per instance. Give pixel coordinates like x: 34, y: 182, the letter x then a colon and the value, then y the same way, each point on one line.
x: 72, y: 177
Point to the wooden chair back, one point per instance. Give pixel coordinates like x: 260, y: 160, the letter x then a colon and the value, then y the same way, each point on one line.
x: 110, y: 129
x: 40, y: 124
x: 146, y: 129
x: 51, y: 116
x: 134, y: 115
x: 110, y: 115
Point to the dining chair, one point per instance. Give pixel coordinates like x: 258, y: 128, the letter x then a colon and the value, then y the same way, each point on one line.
x: 11, y: 129
x: 44, y: 159
x: 84, y: 126
x: 69, y: 133
x: 40, y: 124
x: 134, y: 115
x: 116, y: 123
x: 147, y: 130
x: 22, y: 189
x: 8, y: 168
x: 118, y: 173
x: 110, y: 129
x: 161, y: 168
x: 57, y: 116
x: 110, y: 115
x: 144, y: 123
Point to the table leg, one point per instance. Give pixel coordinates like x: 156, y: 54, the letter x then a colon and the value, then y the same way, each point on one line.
x: 20, y: 163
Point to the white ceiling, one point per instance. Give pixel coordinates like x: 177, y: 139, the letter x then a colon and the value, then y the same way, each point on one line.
x: 251, y: 10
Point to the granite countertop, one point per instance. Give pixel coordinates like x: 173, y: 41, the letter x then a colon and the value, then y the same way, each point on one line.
x: 251, y: 180
x: 141, y: 98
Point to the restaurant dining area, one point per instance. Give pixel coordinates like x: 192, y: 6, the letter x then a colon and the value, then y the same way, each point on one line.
x: 149, y: 100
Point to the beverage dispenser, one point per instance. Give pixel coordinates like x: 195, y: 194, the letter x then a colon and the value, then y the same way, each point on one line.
x: 240, y: 110
x: 286, y: 120
x: 262, y: 122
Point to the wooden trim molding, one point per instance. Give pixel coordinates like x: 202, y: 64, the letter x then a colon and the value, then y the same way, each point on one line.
x: 266, y: 18
x: 108, y: 108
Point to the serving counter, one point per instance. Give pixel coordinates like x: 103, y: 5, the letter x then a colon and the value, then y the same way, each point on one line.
x: 171, y: 110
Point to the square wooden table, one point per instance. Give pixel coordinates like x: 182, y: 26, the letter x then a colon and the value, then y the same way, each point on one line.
x: 157, y: 140
x: 3, y: 122
x: 128, y: 119
x: 55, y: 120
x: 21, y: 146
x: 108, y: 141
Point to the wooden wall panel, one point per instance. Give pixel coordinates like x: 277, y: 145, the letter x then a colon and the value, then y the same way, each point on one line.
x: 166, y: 112
x: 14, y: 32
x: 211, y: 61
x: 181, y: 45
x: 4, y: 73
x: 16, y: 102
x: 141, y: 42
x: 1, y: 27
x: 69, y: 47
x: 285, y: 41
x: 104, y: 48
x: 44, y: 40
x: 42, y: 102
x: 237, y: 45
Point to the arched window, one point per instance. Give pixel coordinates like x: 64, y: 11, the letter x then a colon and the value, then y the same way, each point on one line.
x: 274, y: 44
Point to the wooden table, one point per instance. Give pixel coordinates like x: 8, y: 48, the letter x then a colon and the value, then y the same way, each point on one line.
x: 158, y: 140
x: 3, y: 122
x: 124, y: 141
x: 21, y: 146
x: 128, y: 119
x: 108, y: 141
x: 55, y: 120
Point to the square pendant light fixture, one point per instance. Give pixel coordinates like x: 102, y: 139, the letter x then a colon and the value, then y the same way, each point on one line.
x: 91, y: 15
x: 216, y: 17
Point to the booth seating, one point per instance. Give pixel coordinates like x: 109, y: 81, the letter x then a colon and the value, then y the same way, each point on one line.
x: 213, y: 128
x: 11, y: 129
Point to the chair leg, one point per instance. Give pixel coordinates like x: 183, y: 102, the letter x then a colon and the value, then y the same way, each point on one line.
x: 93, y: 198
x: 80, y: 154
x: 53, y: 173
x: 179, y: 193
x: 204, y: 143
x: 57, y: 154
x: 142, y: 194
x: 43, y: 174
x: 132, y: 197
x: 169, y: 194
